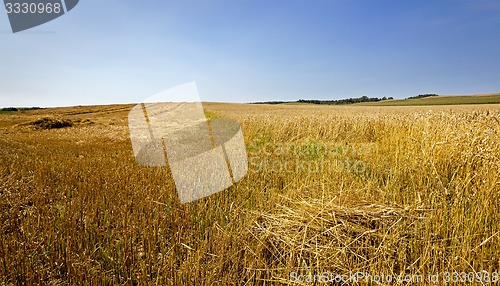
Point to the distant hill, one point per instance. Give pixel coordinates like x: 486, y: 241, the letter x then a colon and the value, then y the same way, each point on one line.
x: 422, y: 99
x: 440, y: 100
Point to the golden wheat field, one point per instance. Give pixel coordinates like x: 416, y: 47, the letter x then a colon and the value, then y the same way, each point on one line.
x: 331, y: 192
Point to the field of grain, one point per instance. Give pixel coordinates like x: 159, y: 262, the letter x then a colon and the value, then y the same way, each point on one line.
x: 330, y: 189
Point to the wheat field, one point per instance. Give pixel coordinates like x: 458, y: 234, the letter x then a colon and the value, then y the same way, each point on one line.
x: 330, y: 189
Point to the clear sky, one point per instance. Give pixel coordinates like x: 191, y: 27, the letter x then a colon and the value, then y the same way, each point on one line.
x: 122, y: 51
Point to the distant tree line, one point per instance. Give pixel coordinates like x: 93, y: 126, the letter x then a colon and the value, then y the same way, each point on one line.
x: 9, y: 109
x: 19, y: 109
x: 345, y: 101
x: 331, y: 102
x: 271, y: 102
x: 422, y: 95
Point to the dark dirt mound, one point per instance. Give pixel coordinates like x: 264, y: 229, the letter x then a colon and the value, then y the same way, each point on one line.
x: 51, y: 123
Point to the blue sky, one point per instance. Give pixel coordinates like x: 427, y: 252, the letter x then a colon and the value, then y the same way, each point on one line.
x: 122, y: 51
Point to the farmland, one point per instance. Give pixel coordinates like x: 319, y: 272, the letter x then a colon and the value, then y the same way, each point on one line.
x: 385, y: 190
x: 440, y: 100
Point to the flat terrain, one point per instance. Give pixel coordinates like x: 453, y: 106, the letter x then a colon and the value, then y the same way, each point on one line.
x: 340, y: 189
x: 440, y: 100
